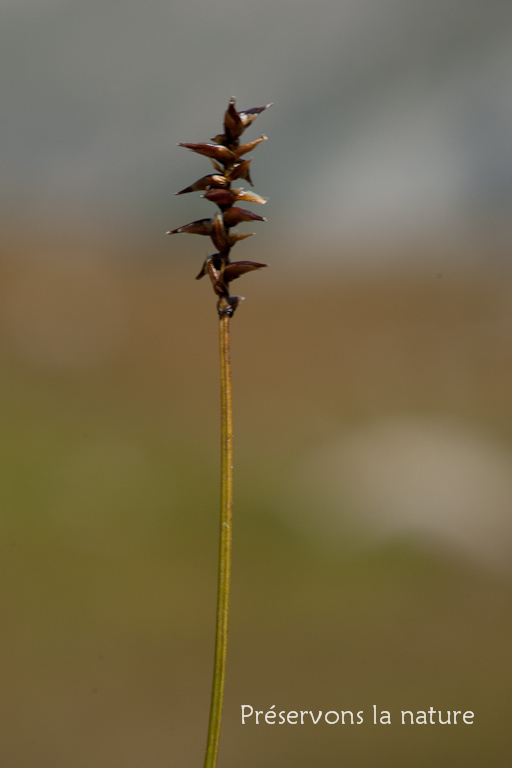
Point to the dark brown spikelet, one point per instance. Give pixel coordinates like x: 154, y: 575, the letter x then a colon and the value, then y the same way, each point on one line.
x: 215, y: 151
x: 225, y: 152
x: 213, y: 181
x: 238, y: 268
x: 223, y: 197
x: 201, y: 227
x: 234, y: 216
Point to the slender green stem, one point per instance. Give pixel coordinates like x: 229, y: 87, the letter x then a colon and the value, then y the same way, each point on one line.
x: 224, y: 583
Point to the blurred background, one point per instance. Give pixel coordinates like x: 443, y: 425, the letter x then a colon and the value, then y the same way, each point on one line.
x: 372, y: 375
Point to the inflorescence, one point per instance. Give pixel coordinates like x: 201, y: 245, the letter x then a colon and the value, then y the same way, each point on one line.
x: 225, y: 152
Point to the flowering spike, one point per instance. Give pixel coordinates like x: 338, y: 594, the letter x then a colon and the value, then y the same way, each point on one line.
x: 225, y: 153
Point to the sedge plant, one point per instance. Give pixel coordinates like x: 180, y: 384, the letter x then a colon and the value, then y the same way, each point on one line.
x: 226, y: 154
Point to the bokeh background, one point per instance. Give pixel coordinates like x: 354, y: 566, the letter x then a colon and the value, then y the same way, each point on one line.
x: 372, y: 377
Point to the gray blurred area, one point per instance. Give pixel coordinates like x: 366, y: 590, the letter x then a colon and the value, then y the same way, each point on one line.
x: 391, y: 117
x: 372, y: 372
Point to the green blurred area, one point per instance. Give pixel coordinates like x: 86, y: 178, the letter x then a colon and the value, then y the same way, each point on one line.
x: 109, y: 449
